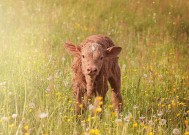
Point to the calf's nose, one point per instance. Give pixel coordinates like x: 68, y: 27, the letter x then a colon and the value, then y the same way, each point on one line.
x: 92, y: 69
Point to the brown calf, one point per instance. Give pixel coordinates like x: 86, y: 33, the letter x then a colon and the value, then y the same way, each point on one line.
x: 95, y: 64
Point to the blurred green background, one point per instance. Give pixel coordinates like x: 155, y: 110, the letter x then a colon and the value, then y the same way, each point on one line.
x: 34, y: 67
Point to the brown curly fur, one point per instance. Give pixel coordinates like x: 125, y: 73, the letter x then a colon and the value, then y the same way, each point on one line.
x: 110, y: 72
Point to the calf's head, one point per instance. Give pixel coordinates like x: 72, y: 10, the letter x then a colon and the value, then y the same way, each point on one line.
x: 92, y: 56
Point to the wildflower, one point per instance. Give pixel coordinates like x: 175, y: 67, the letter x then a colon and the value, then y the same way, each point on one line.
x: 118, y: 121
x: 3, y: 85
x: 176, y: 131
x: 26, y: 127
x: 68, y: 120
x: 11, y: 125
x: 135, y: 125
x: 186, y: 123
x: 14, y: 116
x: 99, y: 109
x: 160, y: 113
x: 162, y: 122
x: 94, y: 131
x: 110, y: 106
x: 91, y: 107
x: 124, y: 66
x: 43, y: 115
x: 126, y: 119
x: 151, y: 123
x: 32, y: 105
x: 186, y: 133
x: 141, y: 118
x: 135, y: 107
x: 81, y: 106
x: 99, y: 98
x: 49, y: 78
x: 150, y: 133
x: 4, y: 119
x: 83, y: 123
x: 100, y: 103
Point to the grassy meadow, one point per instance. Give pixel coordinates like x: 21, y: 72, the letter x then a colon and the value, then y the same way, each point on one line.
x: 35, y: 75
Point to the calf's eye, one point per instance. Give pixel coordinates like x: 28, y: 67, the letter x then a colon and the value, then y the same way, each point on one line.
x: 101, y: 58
x: 83, y: 56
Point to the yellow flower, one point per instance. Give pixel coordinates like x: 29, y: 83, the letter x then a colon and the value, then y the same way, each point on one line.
x: 186, y: 133
x: 135, y: 125
x: 26, y: 127
x: 99, y: 98
x: 68, y: 120
x: 26, y: 133
x: 150, y: 133
x: 88, y: 119
x: 131, y: 117
x: 110, y: 106
x: 11, y: 125
x: 94, y: 131
x: 100, y: 103
x: 81, y: 106
x: 186, y: 123
x: 99, y: 110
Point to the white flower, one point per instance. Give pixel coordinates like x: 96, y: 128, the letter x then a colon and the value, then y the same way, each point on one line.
x: 141, y: 118
x: 14, y: 116
x: 126, y: 119
x: 4, y: 119
x: 160, y: 113
x: 91, y: 107
x: 135, y: 107
x: 176, y: 131
x: 151, y: 123
x: 31, y: 105
x: 43, y: 115
x: 49, y: 78
x: 145, y: 75
x: 162, y: 122
x: 124, y: 66
x: 118, y: 120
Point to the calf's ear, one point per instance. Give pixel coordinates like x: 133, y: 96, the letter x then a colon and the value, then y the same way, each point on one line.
x: 72, y: 49
x: 112, y: 51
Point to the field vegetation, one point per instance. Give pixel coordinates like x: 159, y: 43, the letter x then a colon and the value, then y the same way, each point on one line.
x: 35, y: 74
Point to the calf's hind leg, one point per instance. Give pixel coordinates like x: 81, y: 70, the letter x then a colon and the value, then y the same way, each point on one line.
x: 115, y: 83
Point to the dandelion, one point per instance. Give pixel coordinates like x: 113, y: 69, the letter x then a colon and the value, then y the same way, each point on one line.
x: 11, y: 125
x: 99, y: 110
x: 135, y: 125
x: 99, y: 98
x: 162, y: 122
x: 94, y: 131
x: 14, y: 116
x: 110, y: 106
x: 4, y: 119
x: 43, y: 115
x: 150, y: 133
x: 81, y: 106
x: 176, y: 131
x: 26, y: 127
x: 186, y: 133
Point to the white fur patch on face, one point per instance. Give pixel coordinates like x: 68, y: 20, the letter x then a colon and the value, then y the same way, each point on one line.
x: 93, y: 48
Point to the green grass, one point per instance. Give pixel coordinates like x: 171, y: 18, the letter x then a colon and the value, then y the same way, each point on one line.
x: 35, y: 74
